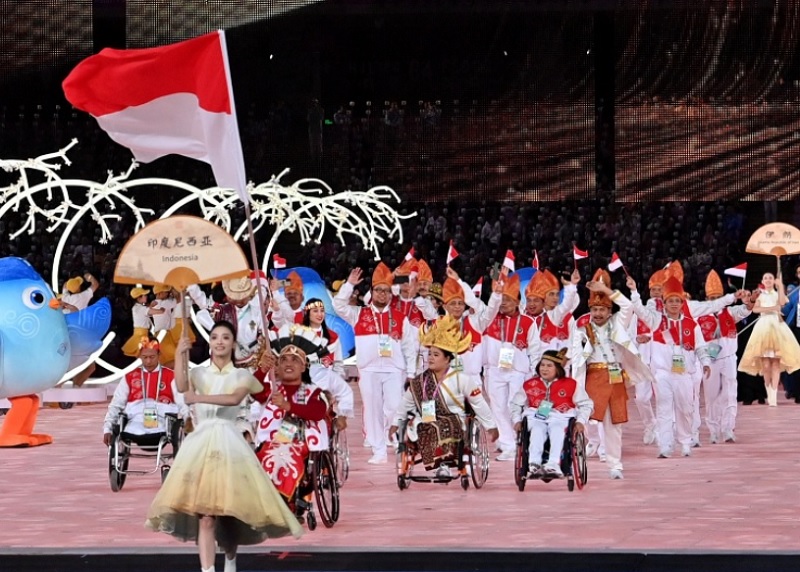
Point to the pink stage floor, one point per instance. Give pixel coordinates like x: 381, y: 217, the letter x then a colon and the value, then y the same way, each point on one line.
x: 739, y: 497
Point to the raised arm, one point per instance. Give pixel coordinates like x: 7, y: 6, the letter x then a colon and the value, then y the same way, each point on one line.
x: 341, y: 302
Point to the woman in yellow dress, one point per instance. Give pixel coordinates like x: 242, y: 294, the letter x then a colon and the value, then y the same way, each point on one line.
x: 216, y: 490
x: 772, y: 347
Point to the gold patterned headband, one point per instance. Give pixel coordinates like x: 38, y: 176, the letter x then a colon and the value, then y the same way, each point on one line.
x: 291, y: 350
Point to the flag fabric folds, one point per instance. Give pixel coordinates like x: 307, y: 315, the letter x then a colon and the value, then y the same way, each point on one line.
x: 535, y: 261
x: 174, y: 99
x: 508, y: 261
x: 739, y: 271
x: 452, y: 253
x: 615, y: 263
x: 278, y: 262
x: 478, y: 288
x: 579, y: 254
x: 409, y: 255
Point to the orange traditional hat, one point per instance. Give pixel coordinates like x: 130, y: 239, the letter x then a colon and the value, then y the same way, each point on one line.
x: 511, y: 287
x: 601, y: 298
x: 658, y: 278
x: 451, y: 290
x: 425, y: 273
x: 382, y: 276
x: 714, y: 288
x: 293, y: 282
x: 552, y: 281
x: 672, y: 288
x: 675, y: 269
x: 407, y: 267
x: 538, y: 287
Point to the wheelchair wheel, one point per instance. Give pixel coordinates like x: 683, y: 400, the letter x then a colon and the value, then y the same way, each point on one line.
x: 326, y: 489
x: 341, y: 457
x: 402, y: 465
x: 579, y: 468
x: 176, y: 435
x: 164, y: 473
x: 402, y: 482
x: 116, y: 473
x: 66, y: 405
x: 465, y: 482
x: 311, y: 520
x: 478, y: 452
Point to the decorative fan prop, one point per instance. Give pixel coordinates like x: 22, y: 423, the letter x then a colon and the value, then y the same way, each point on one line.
x: 775, y: 239
x: 179, y: 251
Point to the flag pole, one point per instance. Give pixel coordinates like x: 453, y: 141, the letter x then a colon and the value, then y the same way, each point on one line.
x: 256, y: 267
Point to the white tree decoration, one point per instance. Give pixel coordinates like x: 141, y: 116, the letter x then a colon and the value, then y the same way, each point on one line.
x: 308, y: 207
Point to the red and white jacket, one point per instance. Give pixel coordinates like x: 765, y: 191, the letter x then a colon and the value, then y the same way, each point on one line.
x: 129, y: 397
x: 568, y: 397
x: 518, y: 332
x: 370, y: 325
x: 720, y: 328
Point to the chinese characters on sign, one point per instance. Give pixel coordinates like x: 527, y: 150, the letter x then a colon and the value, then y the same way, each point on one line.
x: 178, y: 242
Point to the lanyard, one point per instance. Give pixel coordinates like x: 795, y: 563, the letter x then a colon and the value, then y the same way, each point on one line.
x: 378, y: 321
x: 547, y: 385
x: 503, y: 334
x: 601, y: 344
x: 680, y: 331
x: 144, y: 383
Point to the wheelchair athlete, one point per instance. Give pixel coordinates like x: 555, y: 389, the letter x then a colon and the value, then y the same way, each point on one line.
x: 292, y: 419
x: 145, y: 397
x: 548, y: 401
x: 437, y: 399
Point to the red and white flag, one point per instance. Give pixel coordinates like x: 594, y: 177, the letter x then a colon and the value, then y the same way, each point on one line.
x: 535, y: 261
x: 169, y: 99
x: 452, y: 253
x: 578, y: 254
x: 410, y: 255
x: 739, y: 271
x: 478, y: 288
x: 508, y: 261
x: 615, y: 263
x: 278, y: 262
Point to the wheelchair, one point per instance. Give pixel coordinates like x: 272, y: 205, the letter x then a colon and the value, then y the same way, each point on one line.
x: 321, y: 482
x: 474, y: 447
x: 573, y: 458
x: 341, y: 456
x: 125, y: 446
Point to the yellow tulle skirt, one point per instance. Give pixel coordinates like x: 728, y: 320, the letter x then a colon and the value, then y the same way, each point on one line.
x: 771, y: 338
x: 131, y: 347
x: 170, y: 342
x: 217, y: 474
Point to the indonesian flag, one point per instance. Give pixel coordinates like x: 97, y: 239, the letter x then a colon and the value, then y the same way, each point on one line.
x: 409, y: 255
x: 578, y: 254
x: 508, y: 261
x: 170, y: 99
x: 615, y: 263
x: 478, y: 288
x: 452, y: 253
x: 278, y: 262
x: 535, y: 261
x: 739, y: 271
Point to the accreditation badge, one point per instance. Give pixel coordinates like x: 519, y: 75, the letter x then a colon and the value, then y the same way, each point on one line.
x: 506, y: 360
x: 678, y: 363
x: 150, y: 418
x: 384, y: 346
x: 614, y: 374
x: 287, y: 432
x: 713, y: 349
x: 457, y: 364
x: 543, y: 411
x: 428, y: 411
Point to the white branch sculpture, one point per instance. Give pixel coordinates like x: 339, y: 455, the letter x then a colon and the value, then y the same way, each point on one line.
x: 308, y: 207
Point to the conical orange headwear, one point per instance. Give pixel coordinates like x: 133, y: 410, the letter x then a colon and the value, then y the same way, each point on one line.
x: 714, y: 288
x: 672, y: 288
x: 511, y: 287
x: 382, y: 276
x: 658, y: 278
x: 601, y: 298
x: 451, y: 290
x: 425, y: 273
x: 294, y: 282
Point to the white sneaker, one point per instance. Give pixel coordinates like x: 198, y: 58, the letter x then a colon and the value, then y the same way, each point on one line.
x: 730, y: 437
x: 230, y: 565
x: 714, y: 438
x: 443, y: 472
x: 649, y: 436
x: 377, y: 459
x: 551, y: 471
x: 506, y: 456
x: 664, y: 454
x: 535, y: 469
x: 602, y: 457
x: 686, y: 451
x: 616, y: 474
x: 366, y: 444
x: 696, y: 440
x: 591, y: 449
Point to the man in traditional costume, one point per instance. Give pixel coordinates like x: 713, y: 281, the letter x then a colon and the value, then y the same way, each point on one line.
x: 603, y: 358
x: 287, y: 306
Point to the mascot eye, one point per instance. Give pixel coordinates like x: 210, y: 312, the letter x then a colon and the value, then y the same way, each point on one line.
x: 33, y: 297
